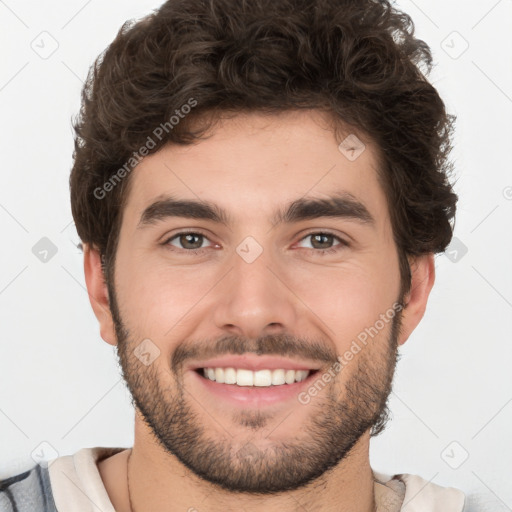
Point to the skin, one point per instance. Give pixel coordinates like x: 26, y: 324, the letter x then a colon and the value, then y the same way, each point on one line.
x: 252, y: 165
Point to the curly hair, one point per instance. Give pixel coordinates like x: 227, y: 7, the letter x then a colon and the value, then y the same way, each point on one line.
x: 356, y: 60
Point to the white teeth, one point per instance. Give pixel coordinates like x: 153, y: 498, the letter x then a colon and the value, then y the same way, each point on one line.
x: 219, y: 375
x: 263, y: 378
x: 289, y: 376
x: 278, y: 377
x: 245, y: 378
x: 301, y: 375
x: 229, y: 376
x: 260, y: 378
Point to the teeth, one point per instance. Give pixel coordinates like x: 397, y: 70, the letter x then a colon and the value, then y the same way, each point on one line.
x: 263, y: 378
x: 219, y: 374
x: 289, y: 376
x: 229, y: 376
x: 243, y: 377
x: 278, y: 377
x: 260, y: 378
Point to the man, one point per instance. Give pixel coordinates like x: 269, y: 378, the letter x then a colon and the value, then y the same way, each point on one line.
x: 260, y: 188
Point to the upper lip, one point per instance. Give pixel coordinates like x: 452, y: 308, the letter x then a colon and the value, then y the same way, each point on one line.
x: 254, y: 363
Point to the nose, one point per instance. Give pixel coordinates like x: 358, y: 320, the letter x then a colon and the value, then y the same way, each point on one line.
x: 254, y: 299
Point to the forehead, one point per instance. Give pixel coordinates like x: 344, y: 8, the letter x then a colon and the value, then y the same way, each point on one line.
x: 251, y: 163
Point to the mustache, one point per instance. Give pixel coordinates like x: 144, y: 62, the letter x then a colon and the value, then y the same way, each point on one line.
x: 283, y: 345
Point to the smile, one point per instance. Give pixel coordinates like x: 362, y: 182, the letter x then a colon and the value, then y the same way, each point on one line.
x: 260, y: 378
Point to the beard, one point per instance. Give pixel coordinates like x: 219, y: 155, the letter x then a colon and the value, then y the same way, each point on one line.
x: 340, y: 414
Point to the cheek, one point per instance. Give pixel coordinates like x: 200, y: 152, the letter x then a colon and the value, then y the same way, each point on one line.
x: 155, y: 296
x: 350, y: 298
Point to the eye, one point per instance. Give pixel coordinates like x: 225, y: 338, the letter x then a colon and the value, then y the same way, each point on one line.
x: 187, y: 241
x: 323, y: 242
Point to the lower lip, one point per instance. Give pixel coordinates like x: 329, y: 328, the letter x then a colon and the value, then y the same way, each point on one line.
x: 254, y: 395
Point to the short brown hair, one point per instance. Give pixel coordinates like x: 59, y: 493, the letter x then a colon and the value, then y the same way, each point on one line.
x: 357, y: 60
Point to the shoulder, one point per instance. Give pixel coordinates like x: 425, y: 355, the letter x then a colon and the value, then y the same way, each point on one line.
x: 58, y: 482
x: 30, y: 490
x: 77, y: 481
x: 422, y: 495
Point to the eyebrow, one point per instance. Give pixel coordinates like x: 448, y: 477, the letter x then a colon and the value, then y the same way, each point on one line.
x: 341, y: 205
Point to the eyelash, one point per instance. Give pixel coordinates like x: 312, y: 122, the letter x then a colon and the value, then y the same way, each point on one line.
x: 316, y: 252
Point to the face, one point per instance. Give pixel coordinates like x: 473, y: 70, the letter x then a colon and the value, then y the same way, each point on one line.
x: 285, y: 261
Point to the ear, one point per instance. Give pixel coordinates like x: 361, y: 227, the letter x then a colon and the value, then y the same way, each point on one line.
x: 422, y: 279
x: 98, y: 293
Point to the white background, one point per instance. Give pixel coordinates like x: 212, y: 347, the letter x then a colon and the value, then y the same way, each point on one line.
x: 59, y: 382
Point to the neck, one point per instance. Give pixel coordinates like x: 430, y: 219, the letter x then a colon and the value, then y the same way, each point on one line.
x: 156, y: 479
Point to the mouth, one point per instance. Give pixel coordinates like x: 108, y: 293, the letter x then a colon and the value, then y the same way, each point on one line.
x: 263, y: 378
x: 241, y: 387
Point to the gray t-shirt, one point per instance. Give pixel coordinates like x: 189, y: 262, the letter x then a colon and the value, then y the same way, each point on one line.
x: 28, y: 492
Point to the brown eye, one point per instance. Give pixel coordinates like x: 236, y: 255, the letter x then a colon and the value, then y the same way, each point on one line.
x: 191, y: 241
x: 321, y: 241
x: 187, y: 241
